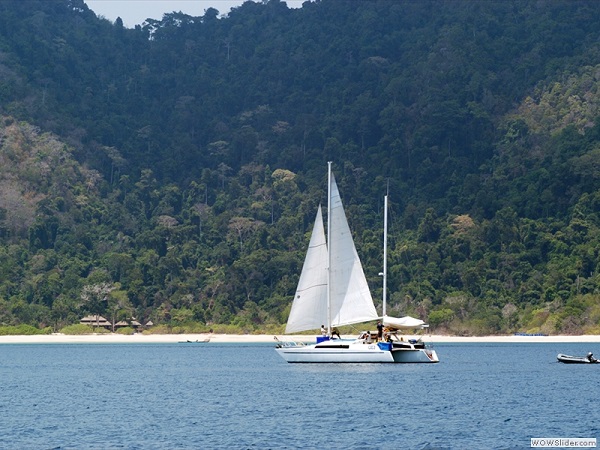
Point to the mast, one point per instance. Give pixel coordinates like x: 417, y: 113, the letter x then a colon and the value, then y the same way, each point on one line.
x: 329, y: 248
x: 385, y: 208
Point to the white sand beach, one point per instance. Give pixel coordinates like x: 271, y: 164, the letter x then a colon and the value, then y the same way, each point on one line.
x: 263, y: 338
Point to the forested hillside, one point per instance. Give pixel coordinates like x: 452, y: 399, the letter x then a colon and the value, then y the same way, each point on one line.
x: 171, y: 172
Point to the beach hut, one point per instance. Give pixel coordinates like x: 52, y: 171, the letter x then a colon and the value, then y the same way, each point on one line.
x: 149, y: 324
x: 96, y: 321
x: 121, y: 324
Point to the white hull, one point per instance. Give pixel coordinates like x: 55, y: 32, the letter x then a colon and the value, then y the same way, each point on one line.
x: 350, y: 351
x: 415, y: 356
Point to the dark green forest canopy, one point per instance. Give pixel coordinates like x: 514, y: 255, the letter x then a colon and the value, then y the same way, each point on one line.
x: 179, y: 164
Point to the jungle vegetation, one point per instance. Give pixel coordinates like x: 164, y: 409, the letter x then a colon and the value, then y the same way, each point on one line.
x: 171, y: 172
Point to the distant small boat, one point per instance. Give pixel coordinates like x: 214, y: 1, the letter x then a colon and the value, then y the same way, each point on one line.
x: 203, y: 341
x: 567, y: 359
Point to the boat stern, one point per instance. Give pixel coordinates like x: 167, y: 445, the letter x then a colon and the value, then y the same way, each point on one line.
x: 425, y: 355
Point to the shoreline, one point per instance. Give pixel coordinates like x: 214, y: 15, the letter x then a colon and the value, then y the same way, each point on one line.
x: 58, y: 338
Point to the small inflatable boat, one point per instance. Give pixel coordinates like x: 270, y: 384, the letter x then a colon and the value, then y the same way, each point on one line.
x: 589, y: 359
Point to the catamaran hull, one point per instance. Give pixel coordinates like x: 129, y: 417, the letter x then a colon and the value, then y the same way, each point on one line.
x: 310, y: 354
x: 367, y: 353
x: 415, y: 356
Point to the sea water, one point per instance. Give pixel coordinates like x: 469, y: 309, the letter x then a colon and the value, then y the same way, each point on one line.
x: 204, y: 396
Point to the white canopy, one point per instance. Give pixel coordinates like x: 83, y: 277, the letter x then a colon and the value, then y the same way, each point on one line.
x: 405, y: 322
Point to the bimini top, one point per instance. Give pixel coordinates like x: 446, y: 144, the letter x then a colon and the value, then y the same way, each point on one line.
x: 402, y: 323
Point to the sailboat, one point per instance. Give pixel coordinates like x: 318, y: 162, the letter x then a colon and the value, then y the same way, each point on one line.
x: 333, y: 289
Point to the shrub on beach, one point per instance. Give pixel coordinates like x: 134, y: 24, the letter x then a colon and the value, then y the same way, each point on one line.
x: 23, y: 330
x: 82, y: 329
x: 125, y: 330
x: 158, y: 329
x: 198, y: 328
x: 188, y: 328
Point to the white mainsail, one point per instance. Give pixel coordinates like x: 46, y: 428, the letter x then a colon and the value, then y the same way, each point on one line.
x: 309, y: 309
x: 350, y: 297
x: 351, y: 300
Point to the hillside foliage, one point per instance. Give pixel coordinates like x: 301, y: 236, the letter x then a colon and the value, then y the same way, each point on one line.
x: 171, y: 172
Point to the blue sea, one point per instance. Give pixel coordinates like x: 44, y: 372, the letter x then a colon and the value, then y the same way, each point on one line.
x: 212, y: 396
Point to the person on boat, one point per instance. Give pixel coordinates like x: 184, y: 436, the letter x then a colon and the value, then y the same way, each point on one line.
x: 335, y: 332
x: 323, y: 330
x: 379, y: 330
x: 590, y: 357
x: 387, y: 335
x: 369, y: 341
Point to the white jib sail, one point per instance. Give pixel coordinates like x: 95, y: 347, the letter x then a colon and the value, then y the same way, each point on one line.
x: 351, y: 300
x: 309, y: 309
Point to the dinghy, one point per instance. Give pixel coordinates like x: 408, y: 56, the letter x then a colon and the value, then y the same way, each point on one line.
x: 567, y: 359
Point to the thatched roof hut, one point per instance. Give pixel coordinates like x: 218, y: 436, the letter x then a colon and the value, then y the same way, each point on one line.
x: 96, y: 321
